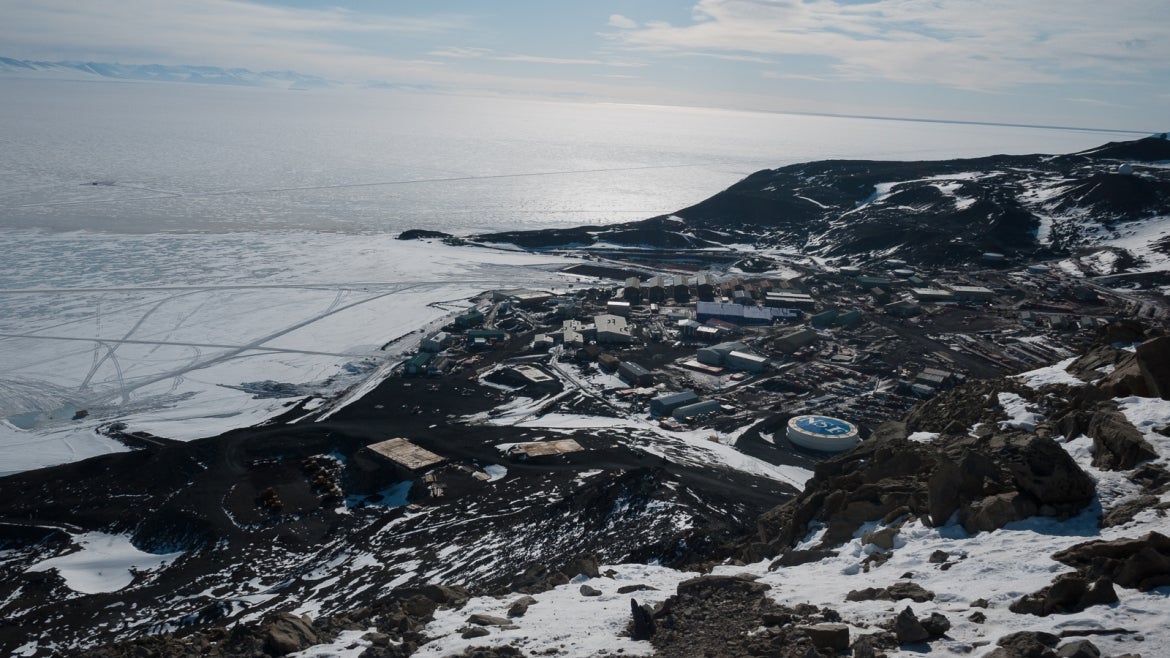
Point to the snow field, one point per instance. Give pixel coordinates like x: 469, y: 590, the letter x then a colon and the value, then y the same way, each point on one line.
x: 105, y: 563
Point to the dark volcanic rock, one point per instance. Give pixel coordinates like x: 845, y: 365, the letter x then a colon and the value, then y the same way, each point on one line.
x: 987, y: 207
x: 828, y: 636
x: 1070, y: 592
x: 1078, y: 649
x: 421, y: 234
x: 908, y: 629
x: 989, y: 482
x: 1141, y: 563
x: 285, y: 633
x: 1025, y: 644
x: 1117, y: 444
x: 1153, y: 357
x: 733, y: 617
x: 1124, y: 513
x: 480, y: 619
x: 901, y: 590
x: 642, y: 621
x: 520, y: 606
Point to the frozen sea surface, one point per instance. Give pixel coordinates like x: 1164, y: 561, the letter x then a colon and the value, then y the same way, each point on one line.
x: 165, y: 244
x: 160, y: 331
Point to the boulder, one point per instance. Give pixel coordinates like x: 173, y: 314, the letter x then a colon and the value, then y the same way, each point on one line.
x: 828, y: 636
x: 936, y: 625
x: 285, y: 633
x: 883, y: 538
x: 895, y: 592
x: 1153, y: 359
x: 1025, y: 644
x: 590, y: 591
x: 1043, y: 470
x: 1124, y: 513
x: 1141, y: 563
x: 908, y: 629
x: 1078, y: 649
x: 1153, y: 478
x: 995, y: 512
x: 796, y: 558
x: 627, y: 589
x: 1117, y: 444
x: 480, y: 619
x: 642, y: 621
x: 1070, y: 592
x: 584, y: 564
x: 698, y: 586
x: 448, y: 595
x: 520, y: 606
x: 1125, y: 380
x: 472, y: 632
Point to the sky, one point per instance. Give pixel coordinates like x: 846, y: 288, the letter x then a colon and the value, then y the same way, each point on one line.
x: 1081, y: 63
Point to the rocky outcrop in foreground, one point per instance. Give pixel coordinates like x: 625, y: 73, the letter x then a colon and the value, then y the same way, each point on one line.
x: 987, y: 481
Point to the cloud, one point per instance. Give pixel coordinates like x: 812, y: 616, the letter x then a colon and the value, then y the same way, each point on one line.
x: 777, y: 75
x: 621, y: 22
x: 489, y: 54
x: 460, y: 52
x: 215, y: 32
x: 982, y: 45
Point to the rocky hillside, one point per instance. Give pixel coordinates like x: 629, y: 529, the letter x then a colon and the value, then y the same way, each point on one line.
x: 927, y: 213
x: 1017, y: 517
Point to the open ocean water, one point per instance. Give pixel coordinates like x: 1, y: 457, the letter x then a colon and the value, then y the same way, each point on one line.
x: 147, y: 158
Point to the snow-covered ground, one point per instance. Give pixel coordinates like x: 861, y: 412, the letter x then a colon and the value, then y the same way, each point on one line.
x: 998, y: 567
x: 160, y: 331
x: 105, y: 563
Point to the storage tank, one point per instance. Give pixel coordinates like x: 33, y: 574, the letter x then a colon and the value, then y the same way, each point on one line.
x: 822, y: 433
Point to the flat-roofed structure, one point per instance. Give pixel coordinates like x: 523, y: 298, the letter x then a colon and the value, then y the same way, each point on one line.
x: 822, y: 433
x: 932, y: 295
x: 405, y: 454
x: 469, y: 319
x: 971, y: 293
x: 785, y: 299
x: 694, y: 364
x: 545, y: 448
x: 714, y: 355
x: 744, y: 361
x: 903, y: 309
x: 743, y: 313
x: 697, y: 409
x: 792, y: 342
x: 873, y: 282
x: 577, y: 333
x: 635, y: 374
x: 664, y: 404
x: 618, y: 307
x: 418, y: 363
x: 436, y: 342
x: 533, y: 374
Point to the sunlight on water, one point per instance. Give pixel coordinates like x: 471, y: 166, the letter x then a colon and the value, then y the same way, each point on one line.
x: 142, y: 158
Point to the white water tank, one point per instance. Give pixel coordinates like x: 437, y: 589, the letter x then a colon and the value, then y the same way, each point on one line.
x: 822, y: 433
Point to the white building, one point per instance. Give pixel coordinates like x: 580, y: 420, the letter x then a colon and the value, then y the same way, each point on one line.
x: 612, y: 329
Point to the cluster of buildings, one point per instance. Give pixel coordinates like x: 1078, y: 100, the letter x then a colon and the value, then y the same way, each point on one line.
x: 859, y: 343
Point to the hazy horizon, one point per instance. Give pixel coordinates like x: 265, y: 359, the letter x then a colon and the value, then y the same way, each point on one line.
x: 197, y: 158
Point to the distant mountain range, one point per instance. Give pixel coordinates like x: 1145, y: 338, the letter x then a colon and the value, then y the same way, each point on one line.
x: 161, y: 73
x: 1030, y: 207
